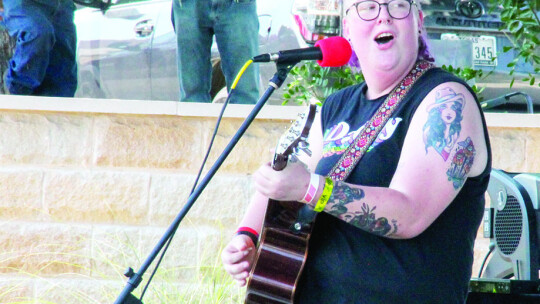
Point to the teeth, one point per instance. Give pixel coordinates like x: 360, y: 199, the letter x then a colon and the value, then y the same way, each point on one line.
x: 384, y: 35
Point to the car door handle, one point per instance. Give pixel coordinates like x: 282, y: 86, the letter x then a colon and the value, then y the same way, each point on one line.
x: 144, y: 28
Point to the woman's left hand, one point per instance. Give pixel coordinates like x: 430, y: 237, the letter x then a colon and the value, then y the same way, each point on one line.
x: 289, y: 184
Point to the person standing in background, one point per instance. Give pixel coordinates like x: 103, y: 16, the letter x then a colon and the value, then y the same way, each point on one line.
x: 235, y: 25
x: 44, y: 58
x: 7, y: 44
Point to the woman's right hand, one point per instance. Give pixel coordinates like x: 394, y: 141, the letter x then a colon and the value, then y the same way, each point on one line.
x: 237, y: 258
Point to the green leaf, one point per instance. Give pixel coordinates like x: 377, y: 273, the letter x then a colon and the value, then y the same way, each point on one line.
x: 518, y: 34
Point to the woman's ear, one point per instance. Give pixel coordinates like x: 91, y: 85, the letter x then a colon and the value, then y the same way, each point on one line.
x: 420, y: 19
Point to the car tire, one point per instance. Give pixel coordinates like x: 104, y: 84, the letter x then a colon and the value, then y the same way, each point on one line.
x: 218, y: 79
x: 221, y: 96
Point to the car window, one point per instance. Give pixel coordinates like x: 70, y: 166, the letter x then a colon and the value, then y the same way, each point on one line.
x: 449, y: 5
x: 89, y: 3
x: 118, y: 2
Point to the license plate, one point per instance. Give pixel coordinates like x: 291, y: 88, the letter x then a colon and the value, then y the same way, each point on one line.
x: 483, y: 48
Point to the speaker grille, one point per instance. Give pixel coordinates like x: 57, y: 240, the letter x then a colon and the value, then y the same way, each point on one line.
x: 508, y: 226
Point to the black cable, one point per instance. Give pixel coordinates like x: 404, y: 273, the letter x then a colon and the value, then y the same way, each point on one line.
x: 220, y: 117
x: 491, y: 248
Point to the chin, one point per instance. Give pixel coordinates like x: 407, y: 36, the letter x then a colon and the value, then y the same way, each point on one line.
x: 399, y: 62
x: 388, y: 65
x: 387, y: 60
x: 385, y: 63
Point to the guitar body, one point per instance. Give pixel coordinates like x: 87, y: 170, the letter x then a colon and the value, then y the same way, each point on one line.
x: 281, y: 255
x: 283, y: 246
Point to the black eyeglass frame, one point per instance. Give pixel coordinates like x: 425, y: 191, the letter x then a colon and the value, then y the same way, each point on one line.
x: 380, y: 5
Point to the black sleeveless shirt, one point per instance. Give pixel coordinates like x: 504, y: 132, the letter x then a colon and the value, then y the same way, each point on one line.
x: 348, y: 265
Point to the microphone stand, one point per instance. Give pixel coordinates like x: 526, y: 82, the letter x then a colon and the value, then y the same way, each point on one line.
x: 135, y: 278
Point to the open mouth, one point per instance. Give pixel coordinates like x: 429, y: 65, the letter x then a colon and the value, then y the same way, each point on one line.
x: 384, y: 38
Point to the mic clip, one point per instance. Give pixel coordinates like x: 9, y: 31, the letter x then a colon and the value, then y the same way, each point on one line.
x: 283, y: 69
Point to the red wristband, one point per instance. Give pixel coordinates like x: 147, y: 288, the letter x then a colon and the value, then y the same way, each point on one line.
x: 251, y: 233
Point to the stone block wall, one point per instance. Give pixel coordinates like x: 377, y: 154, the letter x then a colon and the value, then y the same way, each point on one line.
x: 88, y: 187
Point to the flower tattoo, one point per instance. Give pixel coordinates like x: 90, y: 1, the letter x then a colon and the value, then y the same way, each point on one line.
x: 461, y: 163
x: 364, y: 219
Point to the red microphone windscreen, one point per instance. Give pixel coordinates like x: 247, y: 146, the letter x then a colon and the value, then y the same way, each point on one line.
x: 336, y: 51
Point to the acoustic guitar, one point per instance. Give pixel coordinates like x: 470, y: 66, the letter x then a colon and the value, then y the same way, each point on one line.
x: 283, y: 246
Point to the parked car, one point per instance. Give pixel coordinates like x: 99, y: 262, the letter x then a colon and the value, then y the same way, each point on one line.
x: 478, y: 22
x: 128, y: 51
x: 461, y: 33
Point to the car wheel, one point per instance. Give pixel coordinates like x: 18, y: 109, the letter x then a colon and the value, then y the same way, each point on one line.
x: 221, y: 96
x: 218, y: 79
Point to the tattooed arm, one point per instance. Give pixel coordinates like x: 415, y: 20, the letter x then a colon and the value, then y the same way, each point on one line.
x: 444, y: 146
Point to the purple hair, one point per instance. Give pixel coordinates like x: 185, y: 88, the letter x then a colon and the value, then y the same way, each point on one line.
x: 423, y: 48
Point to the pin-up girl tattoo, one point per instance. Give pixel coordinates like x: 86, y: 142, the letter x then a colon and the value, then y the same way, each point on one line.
x: 444, y: 122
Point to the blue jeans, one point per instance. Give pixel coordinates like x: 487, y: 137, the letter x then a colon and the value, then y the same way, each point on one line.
x: 44, y: 58
x: 235, y: 25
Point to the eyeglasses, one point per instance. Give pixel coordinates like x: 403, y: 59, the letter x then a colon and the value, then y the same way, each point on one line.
x: 370, y: 10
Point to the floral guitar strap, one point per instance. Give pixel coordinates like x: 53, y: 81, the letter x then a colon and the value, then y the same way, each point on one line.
x: 363, y: 141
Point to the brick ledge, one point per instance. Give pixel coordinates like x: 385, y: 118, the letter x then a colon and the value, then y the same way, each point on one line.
x: 144, y: 107
x: 141, y: 107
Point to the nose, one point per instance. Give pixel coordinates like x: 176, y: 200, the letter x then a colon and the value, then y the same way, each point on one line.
x: 384, y: 16
x: 384, y: 21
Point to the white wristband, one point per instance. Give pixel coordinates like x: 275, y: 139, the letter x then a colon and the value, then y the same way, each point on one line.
x: 312, y: 189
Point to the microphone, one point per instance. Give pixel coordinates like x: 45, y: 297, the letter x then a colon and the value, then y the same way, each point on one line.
x: 330, y: 52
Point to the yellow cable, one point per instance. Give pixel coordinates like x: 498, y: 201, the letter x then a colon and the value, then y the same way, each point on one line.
x: 242, y: 70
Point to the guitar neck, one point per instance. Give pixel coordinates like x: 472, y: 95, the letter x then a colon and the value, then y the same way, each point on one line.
x: 280, y: 162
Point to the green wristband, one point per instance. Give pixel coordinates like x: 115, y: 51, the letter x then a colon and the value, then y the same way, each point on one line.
x: 325, y: 196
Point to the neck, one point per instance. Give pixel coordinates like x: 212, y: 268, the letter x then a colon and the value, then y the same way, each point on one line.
x: 382, y: 82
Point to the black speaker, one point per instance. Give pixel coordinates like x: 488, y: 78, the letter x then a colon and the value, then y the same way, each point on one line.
x: 514, y: 215
x: 493, y: 298
x: 512, y: 224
